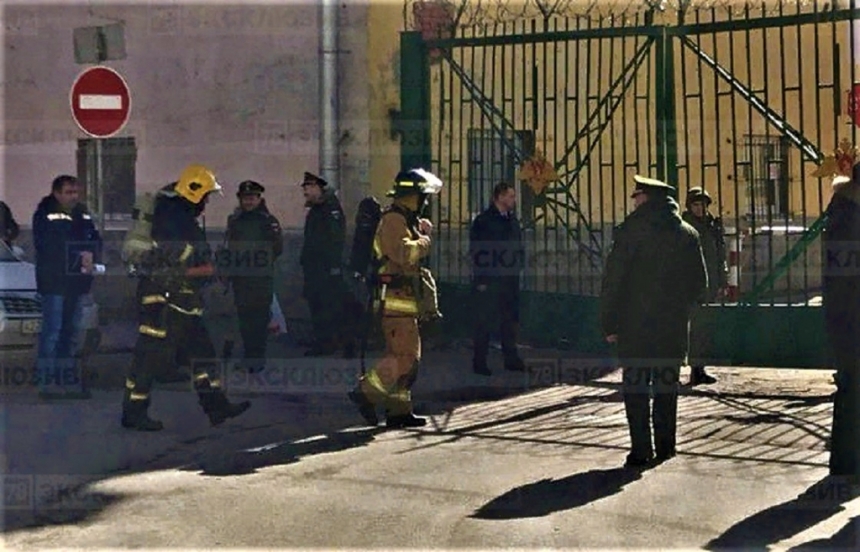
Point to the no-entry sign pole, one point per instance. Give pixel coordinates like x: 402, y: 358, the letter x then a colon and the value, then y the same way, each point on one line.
x: 101, y: 105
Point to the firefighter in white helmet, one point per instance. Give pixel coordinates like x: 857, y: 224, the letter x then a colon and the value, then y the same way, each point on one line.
x: 406, y: 297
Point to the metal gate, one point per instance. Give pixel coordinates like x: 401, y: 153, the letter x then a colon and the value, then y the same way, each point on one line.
x: 743, y: 100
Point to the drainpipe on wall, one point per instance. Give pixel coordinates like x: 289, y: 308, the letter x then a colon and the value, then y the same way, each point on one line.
x: 328, y: 93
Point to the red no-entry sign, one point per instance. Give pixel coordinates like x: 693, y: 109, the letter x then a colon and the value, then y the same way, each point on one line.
x: 101, y: 102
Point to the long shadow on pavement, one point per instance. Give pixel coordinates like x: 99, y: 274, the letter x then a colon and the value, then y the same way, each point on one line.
x: 846, y: 539
x: 249, y: 460
x: 547, y: 496
x: 759, y: 531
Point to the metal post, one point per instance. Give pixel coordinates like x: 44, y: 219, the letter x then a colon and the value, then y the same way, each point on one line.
x: 98, y: 184
x: 329, y: 157
x: 667, y: 140
x: 414, y: 101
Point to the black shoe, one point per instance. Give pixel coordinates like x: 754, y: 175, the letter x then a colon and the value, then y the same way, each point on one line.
x: 226, y: 411
x: 663, y: 456
x: 408, y: 420
x: 481, y: 368
x: 365, y: 407
x: 638, y: 461
x: 515, y: 364
x: 699, y: 377
x: 135, y: 416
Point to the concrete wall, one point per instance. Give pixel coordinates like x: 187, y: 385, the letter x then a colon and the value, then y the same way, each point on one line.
x: 233, y: 87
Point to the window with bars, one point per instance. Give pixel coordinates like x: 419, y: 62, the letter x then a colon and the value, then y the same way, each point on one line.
x: 766, y: 177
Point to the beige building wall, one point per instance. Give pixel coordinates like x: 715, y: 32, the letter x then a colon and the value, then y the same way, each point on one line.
x: 235, y: 87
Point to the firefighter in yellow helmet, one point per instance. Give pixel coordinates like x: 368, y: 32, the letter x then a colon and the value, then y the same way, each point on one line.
x: 406, y: 295
x: 171, y: 303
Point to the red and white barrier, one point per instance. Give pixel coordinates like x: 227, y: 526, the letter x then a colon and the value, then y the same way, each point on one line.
x: 735, y: 245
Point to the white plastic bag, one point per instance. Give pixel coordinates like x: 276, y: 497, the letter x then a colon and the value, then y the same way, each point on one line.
x: 277, y: 324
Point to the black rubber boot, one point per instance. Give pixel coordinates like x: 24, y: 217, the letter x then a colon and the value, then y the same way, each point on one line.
x: 407, y: 420
x: 219, y: 409
x: 135, y: 416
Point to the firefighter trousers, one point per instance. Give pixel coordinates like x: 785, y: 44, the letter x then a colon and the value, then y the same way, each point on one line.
x: 166, y: 332
x: 389, y: 383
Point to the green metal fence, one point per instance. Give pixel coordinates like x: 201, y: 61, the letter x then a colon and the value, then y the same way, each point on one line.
x: 743, y: 101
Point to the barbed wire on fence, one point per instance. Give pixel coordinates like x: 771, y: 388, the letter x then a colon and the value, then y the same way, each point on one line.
x: 462, y: 14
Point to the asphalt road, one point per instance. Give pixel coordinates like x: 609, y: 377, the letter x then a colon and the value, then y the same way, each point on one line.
x: 536, y: 470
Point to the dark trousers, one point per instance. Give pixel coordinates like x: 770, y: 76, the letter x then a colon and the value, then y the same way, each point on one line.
x: 325, y: 295
x: 639, y: 384
x: 845, y: 437
x: 700, y: 341
x: 253, y: 308
x: 165, y: 334
x: 496, y: 308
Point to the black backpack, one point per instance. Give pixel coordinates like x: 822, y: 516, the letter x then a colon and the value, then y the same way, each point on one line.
x: 367, y: 218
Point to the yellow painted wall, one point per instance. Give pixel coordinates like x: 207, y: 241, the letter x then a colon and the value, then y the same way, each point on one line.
x: 791, y: 69
x: 385, y: 22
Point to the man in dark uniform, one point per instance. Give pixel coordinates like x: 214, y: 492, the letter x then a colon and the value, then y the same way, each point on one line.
x: 712, y: 237
x: 842, y: 317
x: 9, y: 228
x: 171, y: 303
x: 497, y: 254
x: 322, y: 263
x: 253, y: 243
x: 654, y: 276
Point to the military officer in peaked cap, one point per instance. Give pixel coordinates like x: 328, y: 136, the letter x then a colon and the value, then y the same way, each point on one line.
x: 654, y: 277
x: 253, y: 242
x: 322, y: 263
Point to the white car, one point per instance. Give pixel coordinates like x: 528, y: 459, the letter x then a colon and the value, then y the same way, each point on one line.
x: 21, y: 318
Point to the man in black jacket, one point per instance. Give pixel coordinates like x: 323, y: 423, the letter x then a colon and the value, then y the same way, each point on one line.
x: 496, y: 249
x: 9, y: 228
x: 322, y: 263
x: 654, y: 277
x: 68, y: 247
x: 254, y: 243
x: 841, y: 240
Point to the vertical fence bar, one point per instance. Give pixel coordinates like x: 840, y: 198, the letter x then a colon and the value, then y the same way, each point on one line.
x: 443, y: 170
x: 415, y: 100
x: 456, y: 165
x: 576, y: 121
x: 802, y: 128
x: 611, y: 166
x: 718, y: 137
x: 587, y: 110
x: 783, y: 181
x: 659, y: 91
x: 751, y: 153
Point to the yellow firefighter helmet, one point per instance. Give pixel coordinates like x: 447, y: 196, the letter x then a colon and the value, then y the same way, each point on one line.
x: 196, y: 182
